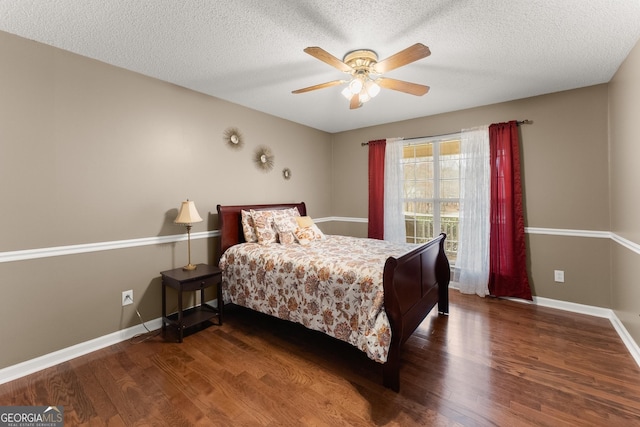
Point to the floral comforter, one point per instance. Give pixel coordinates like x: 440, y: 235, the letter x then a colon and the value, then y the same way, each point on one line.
x: 332, y: 285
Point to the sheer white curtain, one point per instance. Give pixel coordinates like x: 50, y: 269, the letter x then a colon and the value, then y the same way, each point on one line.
x: 472, y: 263
x: 394, y: 227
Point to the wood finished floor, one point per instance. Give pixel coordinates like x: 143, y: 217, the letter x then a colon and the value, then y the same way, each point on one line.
x: 491, y: 362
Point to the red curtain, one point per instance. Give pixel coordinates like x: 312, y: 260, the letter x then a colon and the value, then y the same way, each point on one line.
x: 507, y: 258
x: 376, y: 189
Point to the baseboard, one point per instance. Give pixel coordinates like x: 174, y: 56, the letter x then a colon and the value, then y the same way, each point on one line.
x: 28, y: 367
x: 48, y: 360
x: 574, y: 307
x: 606, y: 313
x: 589, y: 310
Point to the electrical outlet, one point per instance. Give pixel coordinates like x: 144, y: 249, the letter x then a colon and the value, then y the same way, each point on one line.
x: 558, y: 276
x: 127, y: 297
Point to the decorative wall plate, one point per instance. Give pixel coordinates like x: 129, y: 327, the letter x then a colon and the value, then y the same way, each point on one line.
x: 233, y: 138
x: 286, y: 173
x: 263, y: 158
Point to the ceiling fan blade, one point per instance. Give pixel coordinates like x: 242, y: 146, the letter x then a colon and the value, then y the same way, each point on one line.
x: 402, y: 86
x: 404, y: 57
x: 320, y: 86
x: 355, y: 102
x: 324, y: 56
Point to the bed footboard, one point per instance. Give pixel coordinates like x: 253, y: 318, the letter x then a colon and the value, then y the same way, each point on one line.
x: 413, y: 285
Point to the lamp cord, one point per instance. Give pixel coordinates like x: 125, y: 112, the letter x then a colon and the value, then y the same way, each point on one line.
x: 145, y: 336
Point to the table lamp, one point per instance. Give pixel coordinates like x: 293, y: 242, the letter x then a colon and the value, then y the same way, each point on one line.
x: 187, y: 216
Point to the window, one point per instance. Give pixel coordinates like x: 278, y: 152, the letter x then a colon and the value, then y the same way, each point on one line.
x: 431, y: 196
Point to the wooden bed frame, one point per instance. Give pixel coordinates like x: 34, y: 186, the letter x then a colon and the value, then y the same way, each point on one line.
x: 413, y: 283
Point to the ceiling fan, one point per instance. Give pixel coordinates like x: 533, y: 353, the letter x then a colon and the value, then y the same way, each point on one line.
x: 365, y: 71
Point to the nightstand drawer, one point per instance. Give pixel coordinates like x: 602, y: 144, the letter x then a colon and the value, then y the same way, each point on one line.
x: 195, y: 285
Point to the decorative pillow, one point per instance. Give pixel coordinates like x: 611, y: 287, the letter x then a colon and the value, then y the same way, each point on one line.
x: 265, y: 231
x: 307, y: 231
x: 304, y: 221
x: 286, y: 227
x: 248, y: 227
x: 265, y: 226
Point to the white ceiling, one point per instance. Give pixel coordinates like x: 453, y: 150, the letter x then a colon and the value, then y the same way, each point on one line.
x: 250, y: 52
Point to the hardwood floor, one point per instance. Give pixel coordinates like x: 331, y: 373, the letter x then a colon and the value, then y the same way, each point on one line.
x: 491, y: 362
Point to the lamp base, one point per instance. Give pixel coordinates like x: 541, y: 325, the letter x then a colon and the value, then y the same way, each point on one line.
x: 189, y: 267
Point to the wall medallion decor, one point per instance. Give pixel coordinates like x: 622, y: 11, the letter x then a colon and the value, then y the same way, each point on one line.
x: 263, y: 158
x: 286, y: 173
x: 233, y: 138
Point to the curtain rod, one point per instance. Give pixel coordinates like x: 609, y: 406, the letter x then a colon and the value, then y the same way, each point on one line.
x: 519, y: 122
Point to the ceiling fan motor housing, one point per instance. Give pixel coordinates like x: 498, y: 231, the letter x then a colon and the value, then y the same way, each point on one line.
x: 361, y: 61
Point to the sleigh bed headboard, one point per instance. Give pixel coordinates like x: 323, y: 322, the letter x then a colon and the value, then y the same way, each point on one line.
x: 229, y: 218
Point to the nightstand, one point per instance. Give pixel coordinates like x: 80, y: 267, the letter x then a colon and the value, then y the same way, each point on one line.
x: 203, y: 277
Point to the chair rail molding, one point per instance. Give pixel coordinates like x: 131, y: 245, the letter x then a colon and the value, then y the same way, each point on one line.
x: 26, y: 254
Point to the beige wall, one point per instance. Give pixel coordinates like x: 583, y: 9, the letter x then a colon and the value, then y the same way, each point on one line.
x: 624, y: 115
x: 564, y: 155
x: 93, y: 153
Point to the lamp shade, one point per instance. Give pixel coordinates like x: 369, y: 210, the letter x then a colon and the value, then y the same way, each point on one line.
x: 372, y: 88
x: 355, y: 85
x: 188, y: 213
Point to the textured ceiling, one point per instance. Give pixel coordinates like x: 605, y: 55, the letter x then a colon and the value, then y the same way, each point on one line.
x: 250, y: 52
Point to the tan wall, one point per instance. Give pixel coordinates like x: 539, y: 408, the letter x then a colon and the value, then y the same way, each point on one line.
x: 564, y: 155
x: 93, y: 153
x: 624, y: 108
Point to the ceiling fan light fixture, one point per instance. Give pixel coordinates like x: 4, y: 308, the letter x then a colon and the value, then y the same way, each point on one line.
x: 346, y: 92
x: 372, y: 88
x: 355, y: 85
